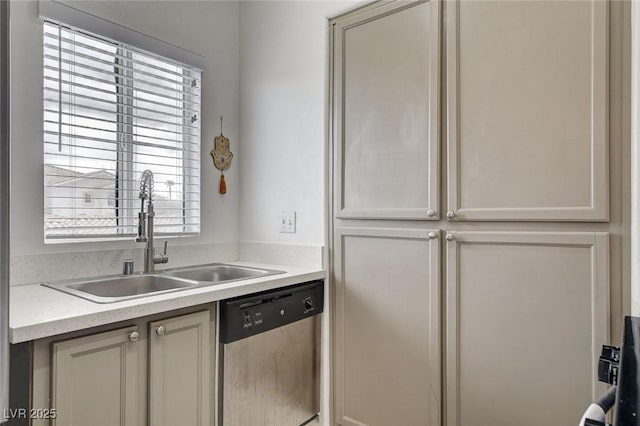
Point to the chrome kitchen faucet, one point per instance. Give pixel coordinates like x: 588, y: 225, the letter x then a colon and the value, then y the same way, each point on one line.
x: 145, y: 224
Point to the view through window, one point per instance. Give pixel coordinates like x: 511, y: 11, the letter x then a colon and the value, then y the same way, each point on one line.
x: 110, y: 113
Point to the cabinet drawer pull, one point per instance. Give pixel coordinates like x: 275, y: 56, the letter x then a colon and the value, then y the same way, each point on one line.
x: 134, y: 336
x: 160, y: 330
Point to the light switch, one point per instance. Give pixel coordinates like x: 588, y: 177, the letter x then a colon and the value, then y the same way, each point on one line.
x: 288, y: 222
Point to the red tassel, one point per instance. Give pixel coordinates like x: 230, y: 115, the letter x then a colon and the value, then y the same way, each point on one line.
x: 223, y: 185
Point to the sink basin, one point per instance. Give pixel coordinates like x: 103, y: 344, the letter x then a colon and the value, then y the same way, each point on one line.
x: 219, y: 273
x: 116, y: 289
x: 124, y: 287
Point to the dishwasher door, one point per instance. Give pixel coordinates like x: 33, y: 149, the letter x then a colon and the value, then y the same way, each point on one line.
x: 272, y: 376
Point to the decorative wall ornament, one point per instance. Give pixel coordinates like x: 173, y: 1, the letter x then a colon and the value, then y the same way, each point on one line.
x: 222, y: 156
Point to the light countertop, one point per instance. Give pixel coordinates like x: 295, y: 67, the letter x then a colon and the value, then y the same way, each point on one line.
x: 37, y: 311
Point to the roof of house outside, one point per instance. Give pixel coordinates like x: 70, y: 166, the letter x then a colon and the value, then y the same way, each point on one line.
x: 61, y: 176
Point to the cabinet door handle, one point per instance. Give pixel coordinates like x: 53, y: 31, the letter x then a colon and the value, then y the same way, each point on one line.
x: 433, y: 235
x: 431, y: 213
x: 451, y: 215
x: 134, y: 336
x: 450, y: 237
x: 160, y: 330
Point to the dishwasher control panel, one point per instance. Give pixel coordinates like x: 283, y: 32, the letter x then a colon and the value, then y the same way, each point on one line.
x: 249, y: 315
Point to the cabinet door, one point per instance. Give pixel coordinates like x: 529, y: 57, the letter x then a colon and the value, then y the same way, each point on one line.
x: 386, y: 111
x: 527, y: 107
x: 527, y: 314
x: 179, y: 370
x: 94, y: 379
x: 387, y: 325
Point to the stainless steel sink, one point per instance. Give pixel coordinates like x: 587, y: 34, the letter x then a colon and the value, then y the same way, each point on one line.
x: 119, y: 288
x: 124, y: 287
x: 218, y: 273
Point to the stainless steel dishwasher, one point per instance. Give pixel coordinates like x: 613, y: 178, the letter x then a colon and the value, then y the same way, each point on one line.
x: 270, y: 357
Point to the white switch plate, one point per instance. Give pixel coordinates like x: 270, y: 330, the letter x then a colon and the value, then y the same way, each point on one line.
x: 288, y: 222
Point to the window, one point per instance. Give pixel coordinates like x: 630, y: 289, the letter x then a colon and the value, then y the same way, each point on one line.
x: 112, y: 111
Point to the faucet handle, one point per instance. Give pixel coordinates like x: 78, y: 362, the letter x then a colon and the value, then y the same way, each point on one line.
x: 161, y: 258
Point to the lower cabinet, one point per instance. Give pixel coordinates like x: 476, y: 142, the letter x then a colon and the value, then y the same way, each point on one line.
x: 524, y: 315
x: 387, y: 327
x: 179, y: 369
x: 110, y: 378
x: 95, y: 379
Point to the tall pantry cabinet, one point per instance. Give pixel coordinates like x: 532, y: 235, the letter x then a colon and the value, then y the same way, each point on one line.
x: 477, y: 209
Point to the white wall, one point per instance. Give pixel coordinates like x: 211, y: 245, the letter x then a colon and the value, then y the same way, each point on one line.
x: 283, y: 98
x: 206, y: 27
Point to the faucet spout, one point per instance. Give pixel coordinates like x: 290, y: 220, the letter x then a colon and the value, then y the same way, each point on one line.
x: 146, y: 185
x: 146, y: 193
x: 145, y: 224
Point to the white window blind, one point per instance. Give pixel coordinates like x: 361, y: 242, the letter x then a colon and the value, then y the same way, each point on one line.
x: 111, y: 112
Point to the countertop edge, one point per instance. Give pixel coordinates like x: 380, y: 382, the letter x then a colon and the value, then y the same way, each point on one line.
x: 74, y: 314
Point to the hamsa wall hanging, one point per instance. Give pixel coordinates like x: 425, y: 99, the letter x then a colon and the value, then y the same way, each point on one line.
x: 222, y: 157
